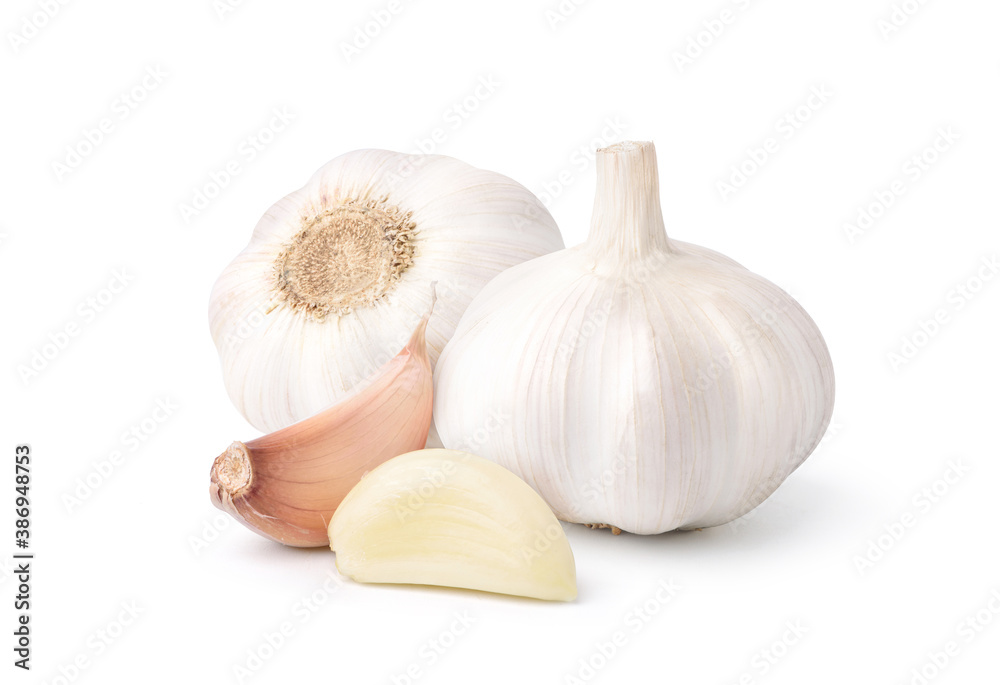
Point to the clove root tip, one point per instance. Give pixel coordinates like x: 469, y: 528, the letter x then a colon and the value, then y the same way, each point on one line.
x: 231, y: 472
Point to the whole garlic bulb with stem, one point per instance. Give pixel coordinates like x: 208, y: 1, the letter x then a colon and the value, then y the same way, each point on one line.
x: 635, y: 381
x: 338, y: 273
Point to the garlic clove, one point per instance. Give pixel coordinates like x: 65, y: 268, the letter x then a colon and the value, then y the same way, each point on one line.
x: 336, y: 274
x: 286, y: 485
x: 644, y: 383
x: 443, y: 517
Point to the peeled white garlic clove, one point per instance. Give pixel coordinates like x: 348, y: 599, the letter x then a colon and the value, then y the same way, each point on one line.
x: 286, y: 485
x: 642, y: 383
x: 441, y: 517
x: 337, y: 274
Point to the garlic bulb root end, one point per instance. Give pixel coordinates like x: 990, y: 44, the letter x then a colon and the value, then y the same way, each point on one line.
x: 346, y: 256
x: 615, y: 530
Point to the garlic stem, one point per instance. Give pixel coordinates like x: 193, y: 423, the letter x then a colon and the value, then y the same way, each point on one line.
x: 627, y: 223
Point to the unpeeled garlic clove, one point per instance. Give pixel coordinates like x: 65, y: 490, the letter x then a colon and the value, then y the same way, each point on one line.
x: 286, y: 485
x: 443, y: 517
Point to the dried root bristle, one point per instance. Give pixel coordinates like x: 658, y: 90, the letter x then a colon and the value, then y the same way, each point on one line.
x: 615, y: 530
x: 348, y: 256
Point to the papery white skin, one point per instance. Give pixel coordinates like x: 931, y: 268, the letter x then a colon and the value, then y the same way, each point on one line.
x: 633, y: 380
x: 281, y: 365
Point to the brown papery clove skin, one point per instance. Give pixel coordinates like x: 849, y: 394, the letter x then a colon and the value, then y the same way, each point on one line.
x: 287, y: 484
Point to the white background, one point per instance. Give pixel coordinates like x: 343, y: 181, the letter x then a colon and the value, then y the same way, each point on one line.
x: 817, y: 554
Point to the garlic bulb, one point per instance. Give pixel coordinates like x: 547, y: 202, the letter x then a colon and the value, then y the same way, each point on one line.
x: 441, y: 517
x: 635, y: 381
x: 287, y: 485
x: 337, y: 274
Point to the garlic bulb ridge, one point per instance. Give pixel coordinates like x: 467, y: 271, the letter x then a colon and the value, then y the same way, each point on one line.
x: 646, y: 383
